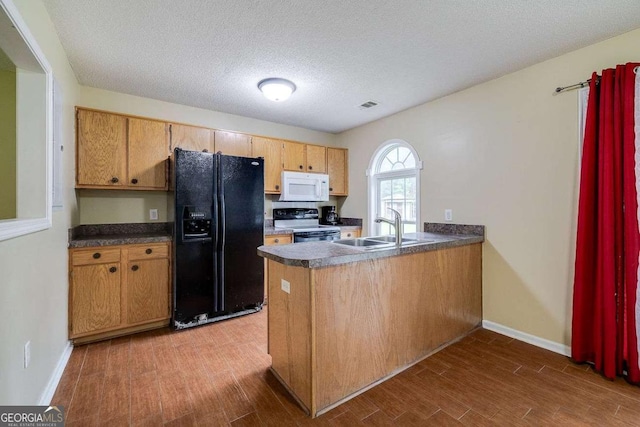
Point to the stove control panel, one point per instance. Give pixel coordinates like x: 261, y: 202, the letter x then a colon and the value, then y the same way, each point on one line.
x: 295, y: 213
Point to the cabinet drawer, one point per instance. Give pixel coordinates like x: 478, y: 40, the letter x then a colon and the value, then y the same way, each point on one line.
x: 281, y: 239
x: 96, y: 256
x: 154, y: 250
x: 349, y: 234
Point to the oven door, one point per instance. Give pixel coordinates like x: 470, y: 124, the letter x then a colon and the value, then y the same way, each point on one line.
x: 315, y: 236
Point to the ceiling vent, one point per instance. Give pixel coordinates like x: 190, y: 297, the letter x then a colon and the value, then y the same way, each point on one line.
x: 368, y: 104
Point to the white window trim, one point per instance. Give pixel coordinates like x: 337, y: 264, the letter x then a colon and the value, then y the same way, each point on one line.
x: 12, y: 228
x: 373, y: 178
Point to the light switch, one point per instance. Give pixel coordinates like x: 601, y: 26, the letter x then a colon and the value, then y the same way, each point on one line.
x: 286, y: 286
x: 153, y: 214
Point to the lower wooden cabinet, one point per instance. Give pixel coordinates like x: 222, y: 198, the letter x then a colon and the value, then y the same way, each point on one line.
x: 116, y: 290
x: 95, y: 292
x: 147, y: 290
x: 278, y: 239
x: 274, y: 239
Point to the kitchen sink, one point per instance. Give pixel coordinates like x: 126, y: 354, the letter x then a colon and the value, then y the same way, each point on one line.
x: 390, y: 239
x: 362, y: 242
x: 379, y: 242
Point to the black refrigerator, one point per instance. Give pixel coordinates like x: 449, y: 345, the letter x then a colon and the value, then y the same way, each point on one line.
x: 219, y: 223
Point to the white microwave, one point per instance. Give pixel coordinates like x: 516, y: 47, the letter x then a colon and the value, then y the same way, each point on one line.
x: 304, y: 187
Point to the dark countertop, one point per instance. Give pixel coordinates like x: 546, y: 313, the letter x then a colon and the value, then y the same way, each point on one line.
x: 84, y: 236
x: 323, y: 254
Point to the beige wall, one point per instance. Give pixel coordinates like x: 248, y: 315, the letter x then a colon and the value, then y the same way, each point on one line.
x: 31, y: 160
x: 98, y: 207
x: 504, y: 154
x: 33, y: 268
x: 7, y: 144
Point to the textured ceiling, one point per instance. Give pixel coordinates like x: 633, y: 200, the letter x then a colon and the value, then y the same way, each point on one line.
x: 211, y: 54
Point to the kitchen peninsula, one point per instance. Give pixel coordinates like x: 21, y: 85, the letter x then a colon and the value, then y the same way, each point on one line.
x: 343, y: 318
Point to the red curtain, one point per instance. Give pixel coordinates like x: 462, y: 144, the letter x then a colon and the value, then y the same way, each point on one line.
x: 607, y: 246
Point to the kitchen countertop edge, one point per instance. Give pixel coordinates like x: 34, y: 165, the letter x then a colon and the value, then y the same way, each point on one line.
x: 107, y: 240
x: 325, y: 254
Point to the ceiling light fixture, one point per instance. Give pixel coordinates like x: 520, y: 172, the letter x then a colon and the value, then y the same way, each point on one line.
x: 276, y: 89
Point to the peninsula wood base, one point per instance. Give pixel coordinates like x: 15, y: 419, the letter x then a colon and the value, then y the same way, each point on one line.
x: 342, y: 328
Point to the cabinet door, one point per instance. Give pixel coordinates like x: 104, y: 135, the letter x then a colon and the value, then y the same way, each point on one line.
x: 316, y: 159
x: 271, y: 151
x: 232, y: 144
x: 191, y: 138
x: 148, y: 147
x: 293, y: 156
x: 337, y: 162
x: 101, y: 149
x: 95, y: 298
x: 147, y: 290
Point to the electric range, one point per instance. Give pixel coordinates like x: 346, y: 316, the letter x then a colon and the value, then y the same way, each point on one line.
x: 305, y: 224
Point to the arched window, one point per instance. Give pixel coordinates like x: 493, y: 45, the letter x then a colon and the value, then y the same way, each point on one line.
x: 394, y: 182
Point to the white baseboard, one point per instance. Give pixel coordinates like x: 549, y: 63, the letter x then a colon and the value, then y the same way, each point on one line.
x: 54, y: 379
x: 565, y: 350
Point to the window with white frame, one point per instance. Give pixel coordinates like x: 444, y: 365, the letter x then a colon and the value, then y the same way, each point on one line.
x: 394, y: 182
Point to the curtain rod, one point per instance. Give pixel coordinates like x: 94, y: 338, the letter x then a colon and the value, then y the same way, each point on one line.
x: 583, y: 84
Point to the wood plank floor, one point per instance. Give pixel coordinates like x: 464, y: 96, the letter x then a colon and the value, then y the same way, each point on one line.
x: 217, y: 375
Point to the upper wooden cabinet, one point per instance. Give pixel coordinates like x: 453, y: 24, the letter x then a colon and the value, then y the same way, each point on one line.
x: 191, y: 138
x: 294, y: 157
x: 101, y: 149
x: 304, y: 157
x: 115, y: 151
x: 232, y: 144
x: 316, y: 158
x: 147, y: 153
x: 337, y: 168
x: 271, y: 150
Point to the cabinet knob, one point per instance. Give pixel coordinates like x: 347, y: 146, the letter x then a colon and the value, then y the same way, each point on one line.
x: 301, y: 167
x: 96, y: 255
x: 148, y: 251
x: 330, y: 188
x: 113, y: 270
x: 135, y: 268
x: 277, y: 187
x: 114, y: 179
x: 134, y: 181
x: 348, y: 234
x: 310, y: 167
x: 205, y: 151
x: 277, y: 240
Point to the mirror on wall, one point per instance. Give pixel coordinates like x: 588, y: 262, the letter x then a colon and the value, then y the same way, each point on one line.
x: 25, y: 128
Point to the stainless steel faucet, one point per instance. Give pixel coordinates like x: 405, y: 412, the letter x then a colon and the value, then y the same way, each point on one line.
x: 397, y: 224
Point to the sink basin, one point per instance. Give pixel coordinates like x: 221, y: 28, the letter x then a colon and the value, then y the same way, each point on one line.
x: 390, y: 239
x: 363, y: 242
x: 379, y: 242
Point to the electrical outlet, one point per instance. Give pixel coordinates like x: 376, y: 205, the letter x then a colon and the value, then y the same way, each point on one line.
x: 286, y: 286
x: 448, y: 214
x: 27, y: 354
x: 153, y: 214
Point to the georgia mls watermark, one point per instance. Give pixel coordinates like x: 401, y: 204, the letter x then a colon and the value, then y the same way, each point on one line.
x: 31, y: 416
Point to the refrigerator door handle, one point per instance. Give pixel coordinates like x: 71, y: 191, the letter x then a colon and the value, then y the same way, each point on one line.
x: 223, y: 232
x: 216, y: 237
